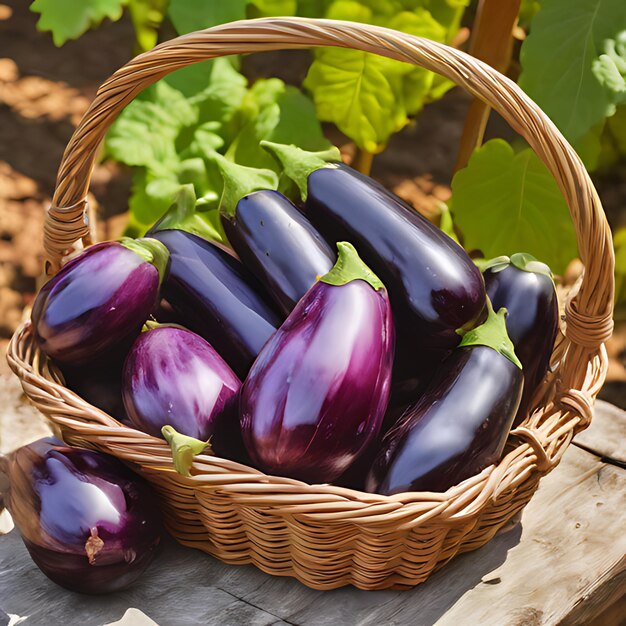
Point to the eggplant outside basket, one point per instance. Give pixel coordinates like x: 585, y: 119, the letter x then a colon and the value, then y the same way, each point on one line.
x: 323, y: 535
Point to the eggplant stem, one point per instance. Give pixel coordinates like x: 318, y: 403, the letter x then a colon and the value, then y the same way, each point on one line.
x: 363, y: 161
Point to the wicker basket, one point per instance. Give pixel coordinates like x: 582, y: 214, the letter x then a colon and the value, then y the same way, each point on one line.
x: 323, y: 535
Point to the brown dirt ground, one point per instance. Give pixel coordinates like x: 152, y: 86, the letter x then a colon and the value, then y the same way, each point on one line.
x: 45, y: 90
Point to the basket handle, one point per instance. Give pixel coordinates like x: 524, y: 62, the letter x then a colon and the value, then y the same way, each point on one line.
x: 589, y: 315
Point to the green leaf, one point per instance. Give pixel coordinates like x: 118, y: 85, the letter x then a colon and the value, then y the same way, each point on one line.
x: 369, y: 97
x: 610, y: 67
x: 267, y: 8
x: 145, y: 132
x: 504, y: 203
x: 351, y: 89
x: 200, y: 14
x: 68, y: 19
x: 150, y: 197
x: 147, y: 16
x: 560, y: 55
x: 276, y: 112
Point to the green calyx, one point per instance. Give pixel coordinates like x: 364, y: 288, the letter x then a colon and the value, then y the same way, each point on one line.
x: 150, y: 250
x: 298, y: 164
x: 150, y: 325
x: 349, y: 267
x: 492, y: 333
x: 182, y: 215
x: 521, y: 260
x: 239, y: 181
x: 184, y: 448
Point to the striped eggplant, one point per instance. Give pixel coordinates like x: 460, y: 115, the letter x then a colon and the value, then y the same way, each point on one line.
x: 89, y: 523
x: 316, y: 394
x: 99, y: 300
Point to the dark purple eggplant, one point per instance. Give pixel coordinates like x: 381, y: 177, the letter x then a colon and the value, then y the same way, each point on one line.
x: 99, y: 300
x: 460, y: 424
x: 433, y: 285
x: 99, y: 383
x: 316, y: 394
x: 214, y: 295
x: 174, y: 377
x: 89, y: 523
x: 270, y: 236
x: 524, y: 286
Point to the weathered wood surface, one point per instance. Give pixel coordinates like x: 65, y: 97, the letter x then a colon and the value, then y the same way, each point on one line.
x: 561, y: 565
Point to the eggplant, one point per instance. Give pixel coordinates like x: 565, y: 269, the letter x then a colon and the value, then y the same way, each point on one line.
x: 174, y: 377
x: 524, y: 286
x: 88, y: 522
x: 99, y: 300
x: 100, y: 384
x: 213, y: 294
x: 433, y: 285
x: 270, y: 236
x: 316, y: 394
x: 460, y: 424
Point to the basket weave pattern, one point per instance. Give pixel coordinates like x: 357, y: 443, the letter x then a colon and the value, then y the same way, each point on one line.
x: 328, y: 536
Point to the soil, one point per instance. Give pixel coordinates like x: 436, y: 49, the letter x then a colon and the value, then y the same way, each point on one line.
x: 44, y: 91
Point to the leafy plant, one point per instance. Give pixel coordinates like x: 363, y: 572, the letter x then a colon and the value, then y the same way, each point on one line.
x: 505, y: 202
x: 170, y: 139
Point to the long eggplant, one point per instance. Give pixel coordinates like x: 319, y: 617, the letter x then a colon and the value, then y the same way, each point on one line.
x: 461, y: 423
x: 524, y: 286
x: 89, y: 523
x: 316, y: 395
x: 271, y: 237
x: 214, y: 295
x: 434, y: 287
x: 99, y: 300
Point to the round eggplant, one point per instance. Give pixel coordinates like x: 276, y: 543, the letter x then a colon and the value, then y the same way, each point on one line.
x: 524, y: 286
x: 89, y: 523
x: 174, y: 377
x: 99, y: 300
x: 461, y: 423
x: 316, y: 395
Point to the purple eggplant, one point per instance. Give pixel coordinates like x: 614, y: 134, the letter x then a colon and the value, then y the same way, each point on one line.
x: 316, y: 394
x: 214, y: 295
x: 460, y: 424
x: 524, y: 286
x: 174, y: 377
x: 99, y: 383
x: 433, y: 285
x: 270, y: 236
x: 89, y: 523
x: 99, y: 300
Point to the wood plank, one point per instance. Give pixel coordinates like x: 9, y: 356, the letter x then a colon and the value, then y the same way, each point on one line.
x: 606, y: 436
x: 545, y: 571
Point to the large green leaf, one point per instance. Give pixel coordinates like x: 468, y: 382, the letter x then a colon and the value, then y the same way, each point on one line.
x: 369, y: 97
x: 189, y: 16
x: 69, y: 19
x: 505, y: 203
x: 146, y: 131
x: 351, y: 89
x: 566, y: 41
x: 147, y: 16
x: 275, y: 112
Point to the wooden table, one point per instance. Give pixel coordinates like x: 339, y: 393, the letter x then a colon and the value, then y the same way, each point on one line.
x: 562, y: 564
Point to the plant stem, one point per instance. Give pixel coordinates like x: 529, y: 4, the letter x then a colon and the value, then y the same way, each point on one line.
x: 492, y: 38
x: 363, y: 161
